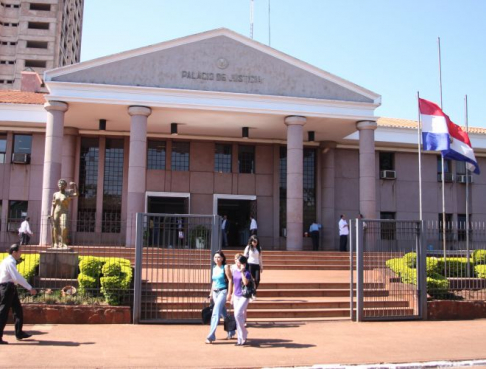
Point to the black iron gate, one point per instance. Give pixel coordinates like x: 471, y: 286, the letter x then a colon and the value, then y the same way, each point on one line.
x: 173, y: 266
x: 390, y: 278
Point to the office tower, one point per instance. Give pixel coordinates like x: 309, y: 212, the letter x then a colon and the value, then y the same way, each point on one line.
x: 38, y: 35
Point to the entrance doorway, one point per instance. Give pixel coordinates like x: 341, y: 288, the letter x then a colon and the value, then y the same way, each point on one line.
x: 238, y: 212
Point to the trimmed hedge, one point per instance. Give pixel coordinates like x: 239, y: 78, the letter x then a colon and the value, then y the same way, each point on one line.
x: 437, y: 285
x: 480, y: 271
x: 110, y: 276
x: 28, y: 267
x: 479, y: 257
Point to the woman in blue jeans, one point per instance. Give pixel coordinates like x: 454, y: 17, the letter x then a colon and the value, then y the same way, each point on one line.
x: 222, y: 279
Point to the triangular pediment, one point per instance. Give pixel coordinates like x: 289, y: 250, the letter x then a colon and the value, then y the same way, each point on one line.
x: 219, y: 60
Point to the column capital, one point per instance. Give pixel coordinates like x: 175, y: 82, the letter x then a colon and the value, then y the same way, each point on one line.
x: 295, y: 120
x: 139, y: 110
x: 56, y: 106
x: 366, y: 124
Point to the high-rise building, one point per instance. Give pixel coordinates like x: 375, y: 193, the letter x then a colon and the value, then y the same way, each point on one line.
x: 38, y: 34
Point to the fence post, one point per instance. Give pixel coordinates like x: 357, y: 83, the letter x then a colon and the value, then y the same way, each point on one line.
x: 422, y: 268
x: 352, y: 314
x: 137, y: 286
x: 359, y: 269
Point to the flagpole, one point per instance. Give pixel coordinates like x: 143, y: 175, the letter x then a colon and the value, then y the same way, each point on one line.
x: 467, y: 196
x: 444, y: 243
x: 419, y: 140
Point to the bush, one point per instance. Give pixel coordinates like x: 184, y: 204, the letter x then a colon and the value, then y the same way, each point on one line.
x: 410, y: 259
x: 479, y: 257
x: 480, y: 271
x: 437, y: 285
x: 432, y: 266
x: 456, y: 267
x: 110, y: 276
x: 115, y: 283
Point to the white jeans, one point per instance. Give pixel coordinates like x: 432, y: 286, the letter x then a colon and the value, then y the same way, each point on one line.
x: 240, y: 305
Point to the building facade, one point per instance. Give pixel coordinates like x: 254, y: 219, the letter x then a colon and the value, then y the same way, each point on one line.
x: 216, y: 123
x: 38, y: 35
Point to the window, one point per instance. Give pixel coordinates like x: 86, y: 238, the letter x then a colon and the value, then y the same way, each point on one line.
x: 387, y: 161
x: 41, y: 7
x: 16, y: 210
x: 388, y: 229
x: 309, y: 187
x: 156, y: 154
x: 113, y: 186
x: 180, y: 156
x: 38, y: 25
x: 3, y: 148
x: 88, y: 184
x: 22, y: 144
x: 448, y: 177
x: 461, y: 227
x: 37, y: 44
x: 461, y: 168
x: 222, y: 158
x: 246, y: 159
x: 35, y: 63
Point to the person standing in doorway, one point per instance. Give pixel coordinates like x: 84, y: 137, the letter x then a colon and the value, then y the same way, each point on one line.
x: 225, y: 230
x: 253, y: 226
x: 9, y: 298
x: 314, y: 233
x: 343, y: 233
x: 24, y: 232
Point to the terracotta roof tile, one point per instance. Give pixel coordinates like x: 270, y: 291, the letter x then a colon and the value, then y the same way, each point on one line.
x: 21, y: 97
x: 412, y: 124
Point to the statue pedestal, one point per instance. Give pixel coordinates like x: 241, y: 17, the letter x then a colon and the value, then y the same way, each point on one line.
x: 58, y: 263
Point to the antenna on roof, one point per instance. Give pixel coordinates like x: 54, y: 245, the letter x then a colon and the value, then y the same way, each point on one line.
x: 251, y: 19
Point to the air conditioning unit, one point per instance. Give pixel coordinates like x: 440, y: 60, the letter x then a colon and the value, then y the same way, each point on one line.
x: 388, y: 174
x: 20, y: 158
x: 464, y: 179
x: 448, y: 177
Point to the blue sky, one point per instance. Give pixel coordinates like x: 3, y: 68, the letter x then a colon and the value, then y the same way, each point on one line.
x: 386, y: 46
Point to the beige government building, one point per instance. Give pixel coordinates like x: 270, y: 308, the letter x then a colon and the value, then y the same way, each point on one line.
x: 217, y: 123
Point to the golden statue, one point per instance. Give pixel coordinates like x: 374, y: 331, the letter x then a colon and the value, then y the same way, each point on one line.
x: 59, y: 213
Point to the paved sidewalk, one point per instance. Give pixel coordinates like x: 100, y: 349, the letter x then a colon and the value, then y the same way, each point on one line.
x: 280, y: 344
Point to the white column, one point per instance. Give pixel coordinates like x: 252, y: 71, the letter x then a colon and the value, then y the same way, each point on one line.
x: 52, y: 161
x: 69, y: 154
x: 367, y: 175
x: 137, y: 167
x: 295, y: 185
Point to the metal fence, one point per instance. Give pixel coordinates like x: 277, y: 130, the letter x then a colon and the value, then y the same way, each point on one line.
x: 173, y: 266
x: 401, y: 264
x: 379, y: 246
x: 94, y: 269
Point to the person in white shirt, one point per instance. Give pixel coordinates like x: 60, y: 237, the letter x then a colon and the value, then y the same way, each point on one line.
x: 253, y: 226
x: 343, y: 233
x: 24, y: 232
x: 253, y: 253
x: 9, y: 298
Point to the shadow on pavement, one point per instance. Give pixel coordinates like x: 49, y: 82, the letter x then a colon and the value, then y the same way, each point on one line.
x: 276, y: 343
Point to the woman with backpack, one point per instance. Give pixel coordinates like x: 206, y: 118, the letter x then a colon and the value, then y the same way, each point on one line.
x: 241, y: 278
x: 222, y: 283
x: 253, y: 252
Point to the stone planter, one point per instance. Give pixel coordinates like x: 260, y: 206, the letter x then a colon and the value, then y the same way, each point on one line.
x: 76, y: 314
x: 456, y: 310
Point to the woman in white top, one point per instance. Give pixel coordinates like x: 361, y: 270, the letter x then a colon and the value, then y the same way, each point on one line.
x: 255, y: 262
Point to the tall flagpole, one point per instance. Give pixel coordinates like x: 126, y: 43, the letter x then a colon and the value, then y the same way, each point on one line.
x: 419, y: 140
x: 251, y: 19
x: 467, y: 196
x: 444, y: 243
x: 269, y: 34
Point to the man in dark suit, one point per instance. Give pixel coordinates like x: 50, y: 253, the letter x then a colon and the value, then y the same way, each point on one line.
x: 225, y: 230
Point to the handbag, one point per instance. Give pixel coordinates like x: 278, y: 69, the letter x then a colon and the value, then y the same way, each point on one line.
x: 248, y: 290
x: 230, y: 322
x: 206, y: 314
